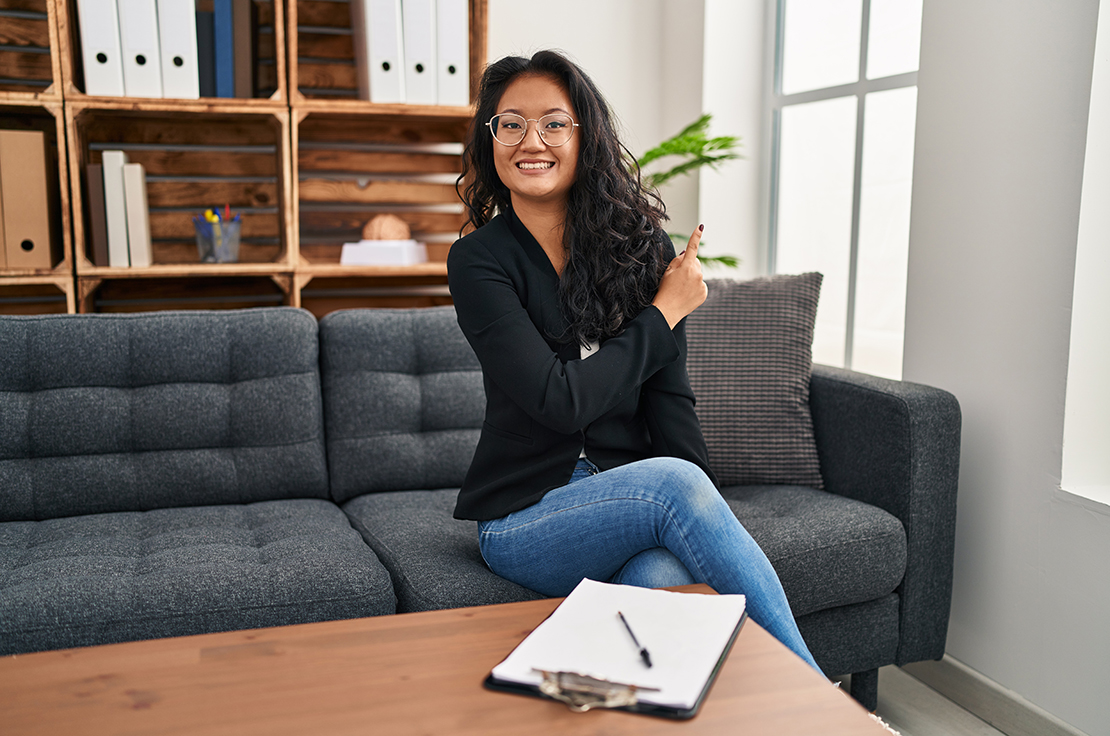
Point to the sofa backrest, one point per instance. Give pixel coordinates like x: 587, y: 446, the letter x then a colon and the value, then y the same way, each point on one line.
x: 123, y: 412
x: 403, y: 400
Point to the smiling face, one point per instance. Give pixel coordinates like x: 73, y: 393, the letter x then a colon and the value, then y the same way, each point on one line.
x: 534, y: 172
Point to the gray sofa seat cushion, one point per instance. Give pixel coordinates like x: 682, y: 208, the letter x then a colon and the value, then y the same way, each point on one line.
x: 130, y: 412
x: 433, y: 558
x: 138, y: 575
x: 403, y: 400
x: 828, y: 551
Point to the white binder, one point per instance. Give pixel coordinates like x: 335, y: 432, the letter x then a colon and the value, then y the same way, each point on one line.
x: 379, y: 49
x: 115, y: 211
x: 419, y: 23
x: 177, y: 35
x: 453, y: 52
x: 100, y: 47
x: 138, y: 216
x: 138, y: 35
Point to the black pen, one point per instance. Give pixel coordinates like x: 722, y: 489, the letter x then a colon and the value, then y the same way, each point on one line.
x: 643, y: 651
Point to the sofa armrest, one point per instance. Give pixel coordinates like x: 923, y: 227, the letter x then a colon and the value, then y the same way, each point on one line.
x: 896, y: 445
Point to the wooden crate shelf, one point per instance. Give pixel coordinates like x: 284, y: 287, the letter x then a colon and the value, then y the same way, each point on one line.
x: 192, y: 291
x: 322, y: 56
x: 49, y: 118
x: 386, y: 289
x: 269, y: 38
x: 351, y: 167
x: 195, y: 158
x: 30, y: 66
x: 37, y: 294
x: 335, y: 270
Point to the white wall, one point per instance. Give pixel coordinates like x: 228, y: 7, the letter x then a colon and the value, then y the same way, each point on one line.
x: 732, y: 201
x: 1004, y: 88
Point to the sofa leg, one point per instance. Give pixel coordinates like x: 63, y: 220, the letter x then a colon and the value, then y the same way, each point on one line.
x: 865, y: 688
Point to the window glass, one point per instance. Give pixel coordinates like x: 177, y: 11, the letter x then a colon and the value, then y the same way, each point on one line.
x: 814, y: 224
x: 894, y: 38
x: 884, y: 231
x: 820, y: 44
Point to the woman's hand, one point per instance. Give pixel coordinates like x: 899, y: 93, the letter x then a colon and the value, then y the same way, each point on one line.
x: 682, y: 289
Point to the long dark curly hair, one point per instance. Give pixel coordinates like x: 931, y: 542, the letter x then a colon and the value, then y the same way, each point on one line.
x: 616, y: 247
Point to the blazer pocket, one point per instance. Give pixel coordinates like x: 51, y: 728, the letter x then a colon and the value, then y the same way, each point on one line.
x: 507, y: 435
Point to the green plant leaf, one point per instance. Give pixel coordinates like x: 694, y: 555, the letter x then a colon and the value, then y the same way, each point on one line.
x: 680, y: 241
x: 694, y: 146
x: 727, y: 261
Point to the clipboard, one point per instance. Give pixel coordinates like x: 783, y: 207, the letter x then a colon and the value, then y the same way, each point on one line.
x: 694, y: 661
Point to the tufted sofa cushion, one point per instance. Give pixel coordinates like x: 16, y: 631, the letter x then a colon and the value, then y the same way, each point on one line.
x: 102, y: 578
x: 432, y: 557
x: 403, y: 400
x: 104, y: 413
x: 404, y: 403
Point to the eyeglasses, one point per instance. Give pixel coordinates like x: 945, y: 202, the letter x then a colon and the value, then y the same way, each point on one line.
x: 509, y: 129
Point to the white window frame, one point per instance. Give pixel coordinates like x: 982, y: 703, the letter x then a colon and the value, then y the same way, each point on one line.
x: 775, y: 101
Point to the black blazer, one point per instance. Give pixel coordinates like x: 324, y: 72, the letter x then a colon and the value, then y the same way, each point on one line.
x: 628, y: 401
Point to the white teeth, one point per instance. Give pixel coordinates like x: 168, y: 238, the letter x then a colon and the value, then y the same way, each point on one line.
x: 543, y: 165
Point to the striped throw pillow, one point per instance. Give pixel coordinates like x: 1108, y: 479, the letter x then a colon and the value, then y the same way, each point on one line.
x: 750, y: 359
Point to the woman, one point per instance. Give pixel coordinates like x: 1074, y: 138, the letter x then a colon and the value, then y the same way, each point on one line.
x: 591, y: 462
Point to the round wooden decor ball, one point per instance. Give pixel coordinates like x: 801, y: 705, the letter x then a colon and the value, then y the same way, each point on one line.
x: 386, y: 227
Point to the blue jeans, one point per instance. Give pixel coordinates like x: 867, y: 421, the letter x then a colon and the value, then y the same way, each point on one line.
x: 652, y: 523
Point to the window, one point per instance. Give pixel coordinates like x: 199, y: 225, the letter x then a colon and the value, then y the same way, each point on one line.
x: 843, y: 107
x: 1086, y: 463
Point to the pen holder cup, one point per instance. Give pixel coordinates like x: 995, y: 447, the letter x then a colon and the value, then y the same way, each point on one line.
x: 218, y: 242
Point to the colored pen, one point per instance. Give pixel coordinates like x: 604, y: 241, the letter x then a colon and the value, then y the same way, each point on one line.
x: 643, y: 651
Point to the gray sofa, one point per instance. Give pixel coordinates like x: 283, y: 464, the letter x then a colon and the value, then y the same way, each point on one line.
x: 177, y: 473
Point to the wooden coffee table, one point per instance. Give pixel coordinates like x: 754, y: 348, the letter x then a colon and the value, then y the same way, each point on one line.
x: 409, y: 673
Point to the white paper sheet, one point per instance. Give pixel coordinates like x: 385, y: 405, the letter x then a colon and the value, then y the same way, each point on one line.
x: 684, y: 633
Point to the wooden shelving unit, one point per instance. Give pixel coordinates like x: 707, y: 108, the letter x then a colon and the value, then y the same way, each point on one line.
x: 31, y: 99
x: 355, y: 159
x: 270, y: 72
x: 304, y: 161
x: 196, y: 155
x: 30, y: 61
x: 32, y: 291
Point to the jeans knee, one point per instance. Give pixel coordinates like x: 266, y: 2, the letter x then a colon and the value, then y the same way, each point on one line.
x: 654, y: 568
x: 689, y: 479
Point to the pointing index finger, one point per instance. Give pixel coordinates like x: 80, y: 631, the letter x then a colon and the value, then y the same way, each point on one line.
x: 695, y: 239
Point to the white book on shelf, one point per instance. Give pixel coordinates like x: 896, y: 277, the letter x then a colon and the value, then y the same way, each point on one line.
x: 138, y: 35
x: 379, y: 50
x: 101, y: 53
x: 453, y: 52
x: 419, y: 23
x: 177, y: 36
x: 383, y: 253
x: 138, y: 216
x: 115, y: 209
